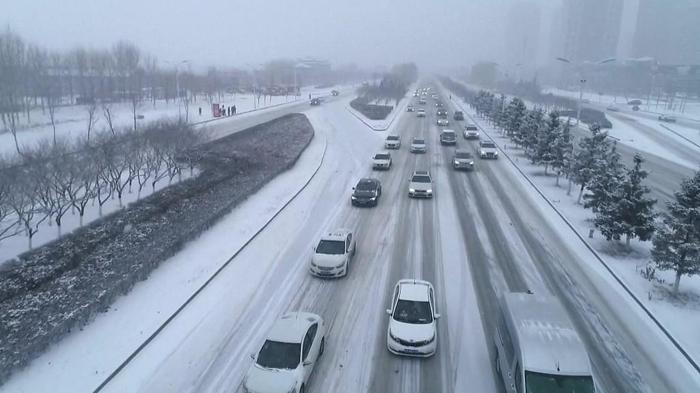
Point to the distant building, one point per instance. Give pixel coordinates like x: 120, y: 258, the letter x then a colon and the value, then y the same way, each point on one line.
x: 312, y: 71
x: 590, y: 29
x: 668, y: 31
x: 522, y: 36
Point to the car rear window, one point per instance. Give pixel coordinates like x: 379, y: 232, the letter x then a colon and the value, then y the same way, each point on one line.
x: 419, y: 141
x: 488, y: 144
x: 421, y: 179
x: 381, y: 156
x: 392, y: 138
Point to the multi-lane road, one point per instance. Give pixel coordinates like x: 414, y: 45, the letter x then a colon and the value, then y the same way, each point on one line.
x: 482, y: 234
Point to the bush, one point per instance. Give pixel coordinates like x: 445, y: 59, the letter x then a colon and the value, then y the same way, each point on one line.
x: 62, y: 285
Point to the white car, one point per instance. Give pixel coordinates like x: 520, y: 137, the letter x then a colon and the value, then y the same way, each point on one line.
x: 471, y: 132
x: 443, y: 122
x: 381, y: 161
x: 420, y: 113
x: 392, y: 142
x: 463, y: 159
x: 613, y: 108
x: 332, y: 255
x: 412, y: 327
x: 418, y: 145
x: 487, y: 149
x: 420, y: 185
x: 667, y: 118
x: 409, y: 108
x: 284, y: 363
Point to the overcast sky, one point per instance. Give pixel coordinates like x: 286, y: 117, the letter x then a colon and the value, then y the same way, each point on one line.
x: 244, y: 33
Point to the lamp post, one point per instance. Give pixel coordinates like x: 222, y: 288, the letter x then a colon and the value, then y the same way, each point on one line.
x: 582, y: 81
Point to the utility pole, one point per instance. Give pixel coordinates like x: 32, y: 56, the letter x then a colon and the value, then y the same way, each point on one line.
x: 580, y: 99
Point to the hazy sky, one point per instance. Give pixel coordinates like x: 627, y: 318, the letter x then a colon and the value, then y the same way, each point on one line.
x: 240, y: 33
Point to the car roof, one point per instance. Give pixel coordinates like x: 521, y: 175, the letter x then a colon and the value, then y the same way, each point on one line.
x: 292, y: 327
x: 548, y: 340
x: 418, y: 138
x: 416, y: 290
x: 368, y: 180
x: 338, y: 234
x: 487, y: 141
x: 447, y: 130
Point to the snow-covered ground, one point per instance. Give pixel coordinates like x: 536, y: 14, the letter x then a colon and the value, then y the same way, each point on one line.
x: 82, y: 360
x: 383, y: 125
x: 680, y: 316
x: 72, y: 121
x: 690, y: 112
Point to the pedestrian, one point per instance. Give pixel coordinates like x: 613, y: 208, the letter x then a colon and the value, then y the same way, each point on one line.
x: 309, y: 95
x: 234, y: 109
x: 228, y: 111
x: 200, y: 111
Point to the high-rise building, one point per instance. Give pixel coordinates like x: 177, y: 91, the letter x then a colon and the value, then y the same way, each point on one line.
x: 668, y: 31
x: 591, y: 29
x: 523, y: 34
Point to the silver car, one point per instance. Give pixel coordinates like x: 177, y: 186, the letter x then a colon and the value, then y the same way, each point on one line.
x: 420, y: 185
x: 418, y: 145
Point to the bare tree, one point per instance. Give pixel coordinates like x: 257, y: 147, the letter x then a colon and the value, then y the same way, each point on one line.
x: 23, y: 201
x: 12, y: 64
x: 92, y: 118
x: 107, y: 113
x: 8, y: 226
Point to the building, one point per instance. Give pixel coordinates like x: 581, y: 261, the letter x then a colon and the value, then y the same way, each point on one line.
x: 522, y: 36
x: 668, y: 31
x: 590, y: 29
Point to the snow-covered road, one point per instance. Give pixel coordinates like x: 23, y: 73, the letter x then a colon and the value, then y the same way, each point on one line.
x: 483, y: 234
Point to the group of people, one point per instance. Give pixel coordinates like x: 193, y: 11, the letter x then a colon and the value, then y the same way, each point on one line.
x: 224, y: 110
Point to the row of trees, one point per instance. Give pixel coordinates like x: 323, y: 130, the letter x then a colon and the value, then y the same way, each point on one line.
x: 392, y: 86
x: 616, y: 194
x: 50, y: 180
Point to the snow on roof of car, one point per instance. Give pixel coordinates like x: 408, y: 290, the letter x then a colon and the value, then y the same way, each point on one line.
x: 292, y: 327
x: 338, y: 234
x: 416, y: 290
x: 548, y: 340
x: 447, y: 130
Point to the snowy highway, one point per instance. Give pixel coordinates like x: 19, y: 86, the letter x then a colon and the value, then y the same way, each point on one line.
x: 484, y: 233
x: 470, y: 241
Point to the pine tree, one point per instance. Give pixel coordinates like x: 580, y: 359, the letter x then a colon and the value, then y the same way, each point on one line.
x: 591, y: 149
x: 607, y: 175
x: 677, y: 239
x: 628, y: 211
x: 529, y: 129
x: 515, y: 114
x: 546, y: 137
x: 563, y: 150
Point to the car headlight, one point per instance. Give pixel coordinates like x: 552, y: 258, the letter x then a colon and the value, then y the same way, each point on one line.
x: 313, y: 263
x: 471, y: 162
x: 430, y: 191
x: 456, y: 162
x: 411, y: 190
x: 341, y: 264
x: 392, y: 336
x: 495, y: 153
x: 353, y: 197
x: 431, y: 339
x: 373, y: 198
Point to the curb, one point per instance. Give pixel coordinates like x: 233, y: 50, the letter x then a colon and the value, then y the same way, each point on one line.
x: 212, y: 277
x: 668, y: 334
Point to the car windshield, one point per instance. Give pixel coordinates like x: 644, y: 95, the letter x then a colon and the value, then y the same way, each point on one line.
x: 421, y: 179
x: 418, y: 142
x: 471, y: 128
x: 548, y: 383
x: 381, y: 156
x: 331, y: 247
x: 275, y: 354
x: 392, y: 138
x: 411, y: 311
x: 448, y: 133
x: 488, y: 144
x: 462, y: 154
x: 365, y: 186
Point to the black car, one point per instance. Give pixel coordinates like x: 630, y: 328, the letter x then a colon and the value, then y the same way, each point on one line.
x: 315, y: 102
x: 366, y: 192
x: 335, y: 92
x: 458, y: 115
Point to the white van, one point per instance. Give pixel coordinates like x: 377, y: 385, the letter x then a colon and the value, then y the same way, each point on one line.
x: 538, y: 349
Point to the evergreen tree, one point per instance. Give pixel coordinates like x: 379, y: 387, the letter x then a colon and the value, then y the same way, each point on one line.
x: 677, y: 239
x: 628, y: 212
x: 607, y: 175
x: 563, y: 150
x: 546, y: 137
x: 515, y: 114
x: 591, y: 150
x: 527, y: 136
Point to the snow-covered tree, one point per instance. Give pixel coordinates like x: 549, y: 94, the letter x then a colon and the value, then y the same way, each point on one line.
x: 515, y: 113
x: 546, y: 137
x: 563, y: 151
x: 527, y: 135
x: 677, y: 239
x: 607, y: 175
x: 628, y: 212
x: 591, y: 150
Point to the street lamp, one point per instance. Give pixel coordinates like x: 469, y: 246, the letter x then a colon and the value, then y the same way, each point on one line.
x: 582, y: 81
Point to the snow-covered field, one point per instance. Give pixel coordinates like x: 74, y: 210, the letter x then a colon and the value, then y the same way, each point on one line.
x: 690, y: 112
x: 72, y: 121
x: 681, y: 316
